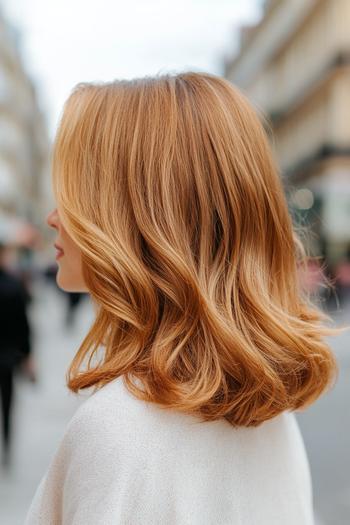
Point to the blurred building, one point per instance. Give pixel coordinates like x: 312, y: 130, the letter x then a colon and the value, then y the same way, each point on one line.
x: 294, y: 65
x: 23, y: 140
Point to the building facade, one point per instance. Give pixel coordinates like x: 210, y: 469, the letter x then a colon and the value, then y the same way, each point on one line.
x: 23, y: 140
x: 295, y: 67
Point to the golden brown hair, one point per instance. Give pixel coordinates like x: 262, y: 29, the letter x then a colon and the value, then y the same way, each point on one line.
x: 168, y: 186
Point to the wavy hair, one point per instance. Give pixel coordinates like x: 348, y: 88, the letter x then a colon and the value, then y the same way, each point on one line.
x: 168, y: 186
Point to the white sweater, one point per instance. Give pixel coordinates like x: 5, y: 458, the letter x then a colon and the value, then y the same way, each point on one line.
x: 123, y: 461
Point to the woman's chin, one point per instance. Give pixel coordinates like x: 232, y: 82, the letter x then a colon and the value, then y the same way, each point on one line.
x: 67, y: 284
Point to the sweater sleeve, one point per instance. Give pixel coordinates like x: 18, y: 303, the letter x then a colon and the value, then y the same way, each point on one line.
x: 84, y: 483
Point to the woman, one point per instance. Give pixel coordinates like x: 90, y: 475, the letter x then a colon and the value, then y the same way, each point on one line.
x: 171, y: 215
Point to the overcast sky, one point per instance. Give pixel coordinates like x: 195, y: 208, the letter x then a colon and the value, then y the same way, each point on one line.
x: 64, y: 42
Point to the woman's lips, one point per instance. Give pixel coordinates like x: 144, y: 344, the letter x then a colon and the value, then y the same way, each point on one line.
x: 60, y: 252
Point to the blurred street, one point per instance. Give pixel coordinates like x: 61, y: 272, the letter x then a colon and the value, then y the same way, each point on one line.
x: 43, y: 410
x: 326, y: 431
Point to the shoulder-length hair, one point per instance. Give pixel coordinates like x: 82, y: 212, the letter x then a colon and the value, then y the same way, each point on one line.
x: 168, y: 186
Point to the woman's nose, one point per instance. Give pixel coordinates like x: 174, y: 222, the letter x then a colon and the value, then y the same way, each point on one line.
x: 51, y: 219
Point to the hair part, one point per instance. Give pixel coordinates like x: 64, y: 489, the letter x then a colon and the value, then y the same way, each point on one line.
x: 168, y: 186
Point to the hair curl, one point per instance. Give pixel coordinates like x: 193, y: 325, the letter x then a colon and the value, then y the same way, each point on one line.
x: 168, y: 186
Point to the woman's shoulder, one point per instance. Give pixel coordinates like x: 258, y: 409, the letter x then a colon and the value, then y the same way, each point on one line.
x: 98, y: 449
x: 112, y: 414
x: 112, y: 409
x: 115, y: 405
x: 112, y: 421
x: 101, y: 433
x: 115, y: 409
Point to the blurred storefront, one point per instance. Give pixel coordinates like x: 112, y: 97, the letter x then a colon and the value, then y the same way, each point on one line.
x: 23, y: 150
x: 295, y: 67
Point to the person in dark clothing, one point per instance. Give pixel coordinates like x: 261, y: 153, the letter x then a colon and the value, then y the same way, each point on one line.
x: 15, y: 343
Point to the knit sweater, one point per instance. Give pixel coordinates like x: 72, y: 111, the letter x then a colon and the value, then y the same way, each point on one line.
x: 129, y: 462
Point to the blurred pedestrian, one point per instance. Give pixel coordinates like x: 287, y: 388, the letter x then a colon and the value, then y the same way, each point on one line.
x: 15, y: 344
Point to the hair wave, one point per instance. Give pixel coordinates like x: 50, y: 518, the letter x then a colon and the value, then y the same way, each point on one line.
x: 168, y: 186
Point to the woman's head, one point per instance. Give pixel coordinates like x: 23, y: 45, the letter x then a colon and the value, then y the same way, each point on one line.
x: 167, y: 188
